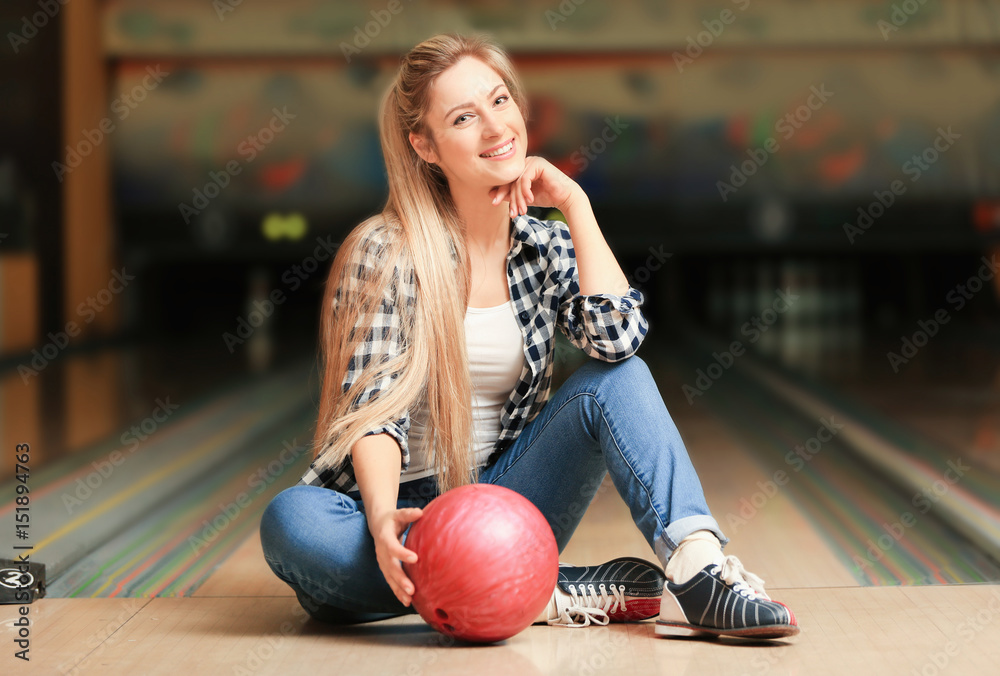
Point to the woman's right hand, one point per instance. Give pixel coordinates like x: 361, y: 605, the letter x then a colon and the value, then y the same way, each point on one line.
x: 390, y: 552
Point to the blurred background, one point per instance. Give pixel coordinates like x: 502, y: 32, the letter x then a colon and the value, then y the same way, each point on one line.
x: 807, y: 193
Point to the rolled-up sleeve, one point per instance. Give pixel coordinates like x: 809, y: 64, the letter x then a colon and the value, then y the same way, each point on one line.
x: 605, y: 326
x: 398, y: 430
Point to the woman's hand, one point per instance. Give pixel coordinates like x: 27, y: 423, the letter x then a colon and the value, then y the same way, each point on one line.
x: 390, y: 552
x: 540, y: 184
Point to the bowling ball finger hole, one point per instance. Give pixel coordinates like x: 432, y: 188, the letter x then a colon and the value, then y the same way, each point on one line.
x: 441, y: 614
x: 448, y: 627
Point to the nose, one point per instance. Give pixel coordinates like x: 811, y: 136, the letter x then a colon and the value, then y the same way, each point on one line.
x: 492, y: 125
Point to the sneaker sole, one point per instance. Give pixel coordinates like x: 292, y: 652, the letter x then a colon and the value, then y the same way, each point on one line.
x: 638, y: 610
x: 679, y: 629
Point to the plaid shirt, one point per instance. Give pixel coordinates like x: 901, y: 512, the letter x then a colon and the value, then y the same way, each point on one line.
x: 544, y: 286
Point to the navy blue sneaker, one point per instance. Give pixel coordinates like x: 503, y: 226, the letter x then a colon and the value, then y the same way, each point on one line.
x: 723, y: 600
x: 623, y: 590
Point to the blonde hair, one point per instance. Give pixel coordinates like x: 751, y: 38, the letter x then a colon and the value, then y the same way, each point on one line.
x: 417, y: 238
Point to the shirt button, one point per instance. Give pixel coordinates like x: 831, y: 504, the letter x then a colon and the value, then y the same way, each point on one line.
x: 524, y: 316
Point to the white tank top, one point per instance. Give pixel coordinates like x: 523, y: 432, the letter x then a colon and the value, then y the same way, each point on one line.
x: 496, y: 358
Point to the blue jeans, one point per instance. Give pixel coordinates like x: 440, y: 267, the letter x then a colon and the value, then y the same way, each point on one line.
x: 606, y: 418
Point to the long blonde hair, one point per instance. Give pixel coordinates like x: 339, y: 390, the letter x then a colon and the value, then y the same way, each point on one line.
x: 417, y: 238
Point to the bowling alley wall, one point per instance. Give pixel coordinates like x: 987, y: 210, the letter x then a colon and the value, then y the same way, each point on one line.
x: 204, y: 145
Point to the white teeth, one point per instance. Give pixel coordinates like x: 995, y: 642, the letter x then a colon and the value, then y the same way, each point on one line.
x: 500, y: 151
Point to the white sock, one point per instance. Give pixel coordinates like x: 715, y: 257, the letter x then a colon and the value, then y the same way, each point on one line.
x: 694, y: 552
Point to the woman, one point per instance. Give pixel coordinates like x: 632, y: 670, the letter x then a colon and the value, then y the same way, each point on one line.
x: 437, y: 335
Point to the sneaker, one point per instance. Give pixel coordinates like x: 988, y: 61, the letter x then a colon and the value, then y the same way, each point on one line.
x: 723, y: 600
x: 622, y: 590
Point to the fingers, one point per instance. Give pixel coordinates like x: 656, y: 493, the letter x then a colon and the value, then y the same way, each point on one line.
x: 401, y: 553
x: 518, y: 193
x: 404, y: 587
x: 391, y: 554
x: 390, y: 562
x: 410, y: 514
x: 506, y: 193
x: 404, y: 517
x: 400, y: 584
x: 515, y: 198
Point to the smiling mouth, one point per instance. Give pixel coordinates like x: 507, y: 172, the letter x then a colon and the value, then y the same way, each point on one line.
x: 502, y: 150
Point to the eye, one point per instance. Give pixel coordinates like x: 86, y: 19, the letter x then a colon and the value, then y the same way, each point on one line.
x: 459, y: 119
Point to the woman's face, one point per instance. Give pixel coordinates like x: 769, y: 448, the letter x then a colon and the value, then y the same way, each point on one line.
x: 471, y: 114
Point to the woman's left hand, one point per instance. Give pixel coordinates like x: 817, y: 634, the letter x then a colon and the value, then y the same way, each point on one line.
x: 540, y: 184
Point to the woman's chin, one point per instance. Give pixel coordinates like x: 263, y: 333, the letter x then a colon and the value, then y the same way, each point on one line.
x: 510, y: 170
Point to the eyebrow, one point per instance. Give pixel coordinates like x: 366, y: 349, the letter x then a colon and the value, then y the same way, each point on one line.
x: 464, y: 105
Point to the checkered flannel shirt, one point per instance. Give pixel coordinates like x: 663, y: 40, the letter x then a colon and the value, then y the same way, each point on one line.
x: 544, y: 286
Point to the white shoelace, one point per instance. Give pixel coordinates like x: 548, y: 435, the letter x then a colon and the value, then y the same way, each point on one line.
x: 743, y: 581
x: 585, y: 605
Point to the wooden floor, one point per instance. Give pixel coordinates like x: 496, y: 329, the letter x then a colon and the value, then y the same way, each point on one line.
x: 243, y: 620
x: 847, y: 630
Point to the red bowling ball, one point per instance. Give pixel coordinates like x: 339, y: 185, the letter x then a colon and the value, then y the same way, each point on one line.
x: 487, y: 563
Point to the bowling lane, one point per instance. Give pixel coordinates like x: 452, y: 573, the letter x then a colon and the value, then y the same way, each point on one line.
x: 134, y: 449
x: 949, y: 391
x: 878, y: 533
x: 844, y: 329
x: 80, y: 398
